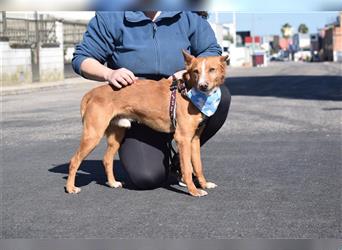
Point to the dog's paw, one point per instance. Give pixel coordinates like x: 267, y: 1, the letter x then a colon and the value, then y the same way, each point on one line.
x: 210, y: 185
x: 72, y: 190
x: 198, y: 193
x: 115, y: 184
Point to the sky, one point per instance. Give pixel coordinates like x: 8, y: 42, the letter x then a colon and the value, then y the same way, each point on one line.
x: 270, y: 23
x: 276, y: 5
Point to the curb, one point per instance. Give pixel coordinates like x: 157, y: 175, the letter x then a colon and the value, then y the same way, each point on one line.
x: 28, y: 88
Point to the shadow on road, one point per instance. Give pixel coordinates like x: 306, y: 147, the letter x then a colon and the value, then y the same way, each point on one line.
x: 90, y: 171
x: 297, y: 87
x: 93, y: 171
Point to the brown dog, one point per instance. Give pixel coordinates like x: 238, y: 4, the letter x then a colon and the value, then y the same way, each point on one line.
x: 108, y: 111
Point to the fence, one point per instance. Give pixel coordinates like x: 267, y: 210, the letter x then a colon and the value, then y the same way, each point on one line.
x: 25, y: 32
x: 73, y: 32
x: 21, y: 32
x: 44, y: 36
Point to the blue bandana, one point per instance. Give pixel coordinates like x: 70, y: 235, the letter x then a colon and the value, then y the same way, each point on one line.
x: 207, y: 104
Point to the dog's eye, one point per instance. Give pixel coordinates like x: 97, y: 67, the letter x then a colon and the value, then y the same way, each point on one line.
x: 212, y: 70
x: 196, y: 71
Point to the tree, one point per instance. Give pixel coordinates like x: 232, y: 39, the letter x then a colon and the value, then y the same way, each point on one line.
x: 286, y: 30
x: 229, y: 38
x: 303, y: 29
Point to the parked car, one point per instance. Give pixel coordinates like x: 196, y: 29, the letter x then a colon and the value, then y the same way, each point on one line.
x: 303, y: 55
x: 279, y: 57
x: 276, y: 58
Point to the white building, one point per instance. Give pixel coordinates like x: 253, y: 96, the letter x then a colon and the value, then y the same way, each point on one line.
x: 302, y: 41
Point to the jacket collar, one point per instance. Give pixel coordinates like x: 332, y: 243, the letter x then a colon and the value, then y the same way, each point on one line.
x: 138, y: 16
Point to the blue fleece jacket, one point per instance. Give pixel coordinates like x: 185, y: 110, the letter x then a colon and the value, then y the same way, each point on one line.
x: 131, y: 40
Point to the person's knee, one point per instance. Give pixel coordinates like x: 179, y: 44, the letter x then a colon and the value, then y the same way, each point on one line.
x: 215, y: 122
x: 148, y: 179
x: 223, y: 108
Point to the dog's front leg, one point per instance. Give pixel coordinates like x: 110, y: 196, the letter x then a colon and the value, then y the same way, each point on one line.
x: 197, y: 163
x: 184, y: 147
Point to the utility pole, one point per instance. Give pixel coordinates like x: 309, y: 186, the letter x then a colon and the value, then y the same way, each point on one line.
x: 252, y: 33
x: 37, y: 47
x: 216, y: 17
x: 4, y: 24
x: 234, y: 31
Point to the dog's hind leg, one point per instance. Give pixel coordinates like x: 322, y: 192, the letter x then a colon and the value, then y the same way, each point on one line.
x: 114, y: 135
x: 96, y: 122
x: 87, y: 145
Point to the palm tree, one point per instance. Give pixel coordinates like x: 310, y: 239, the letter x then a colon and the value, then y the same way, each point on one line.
x: 303, y: 29
x: 286, y: 30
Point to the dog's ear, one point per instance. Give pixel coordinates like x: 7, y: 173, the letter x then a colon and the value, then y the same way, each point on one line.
x: 187, y: 57
x: 225, y: 59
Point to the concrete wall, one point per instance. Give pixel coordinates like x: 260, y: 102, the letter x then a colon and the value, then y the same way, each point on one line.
x: 51, y: 64
x: 15, y: 65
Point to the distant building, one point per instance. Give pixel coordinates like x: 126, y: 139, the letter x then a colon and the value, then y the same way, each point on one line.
x: 284, y: 43
x: 332, y: 40
x: 301, y: 41
x: 271, y: 42
x: 225, y: 35
x: 218, y: 30
x: 241, y: 37
x: 275, y: 44
x: 315, y: 42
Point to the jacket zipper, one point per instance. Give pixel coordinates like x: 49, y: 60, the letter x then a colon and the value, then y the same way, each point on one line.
x: 156, y: 46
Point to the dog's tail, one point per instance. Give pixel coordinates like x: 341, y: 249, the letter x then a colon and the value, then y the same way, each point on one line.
x: 84, y: 103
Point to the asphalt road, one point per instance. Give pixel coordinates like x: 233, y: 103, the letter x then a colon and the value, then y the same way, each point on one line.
x: 277, y: 162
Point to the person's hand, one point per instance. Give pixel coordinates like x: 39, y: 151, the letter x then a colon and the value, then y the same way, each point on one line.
x: 120, y: 77
x: 178, y: 75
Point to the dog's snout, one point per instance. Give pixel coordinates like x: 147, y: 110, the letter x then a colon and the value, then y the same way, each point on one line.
x: 203, y: 87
